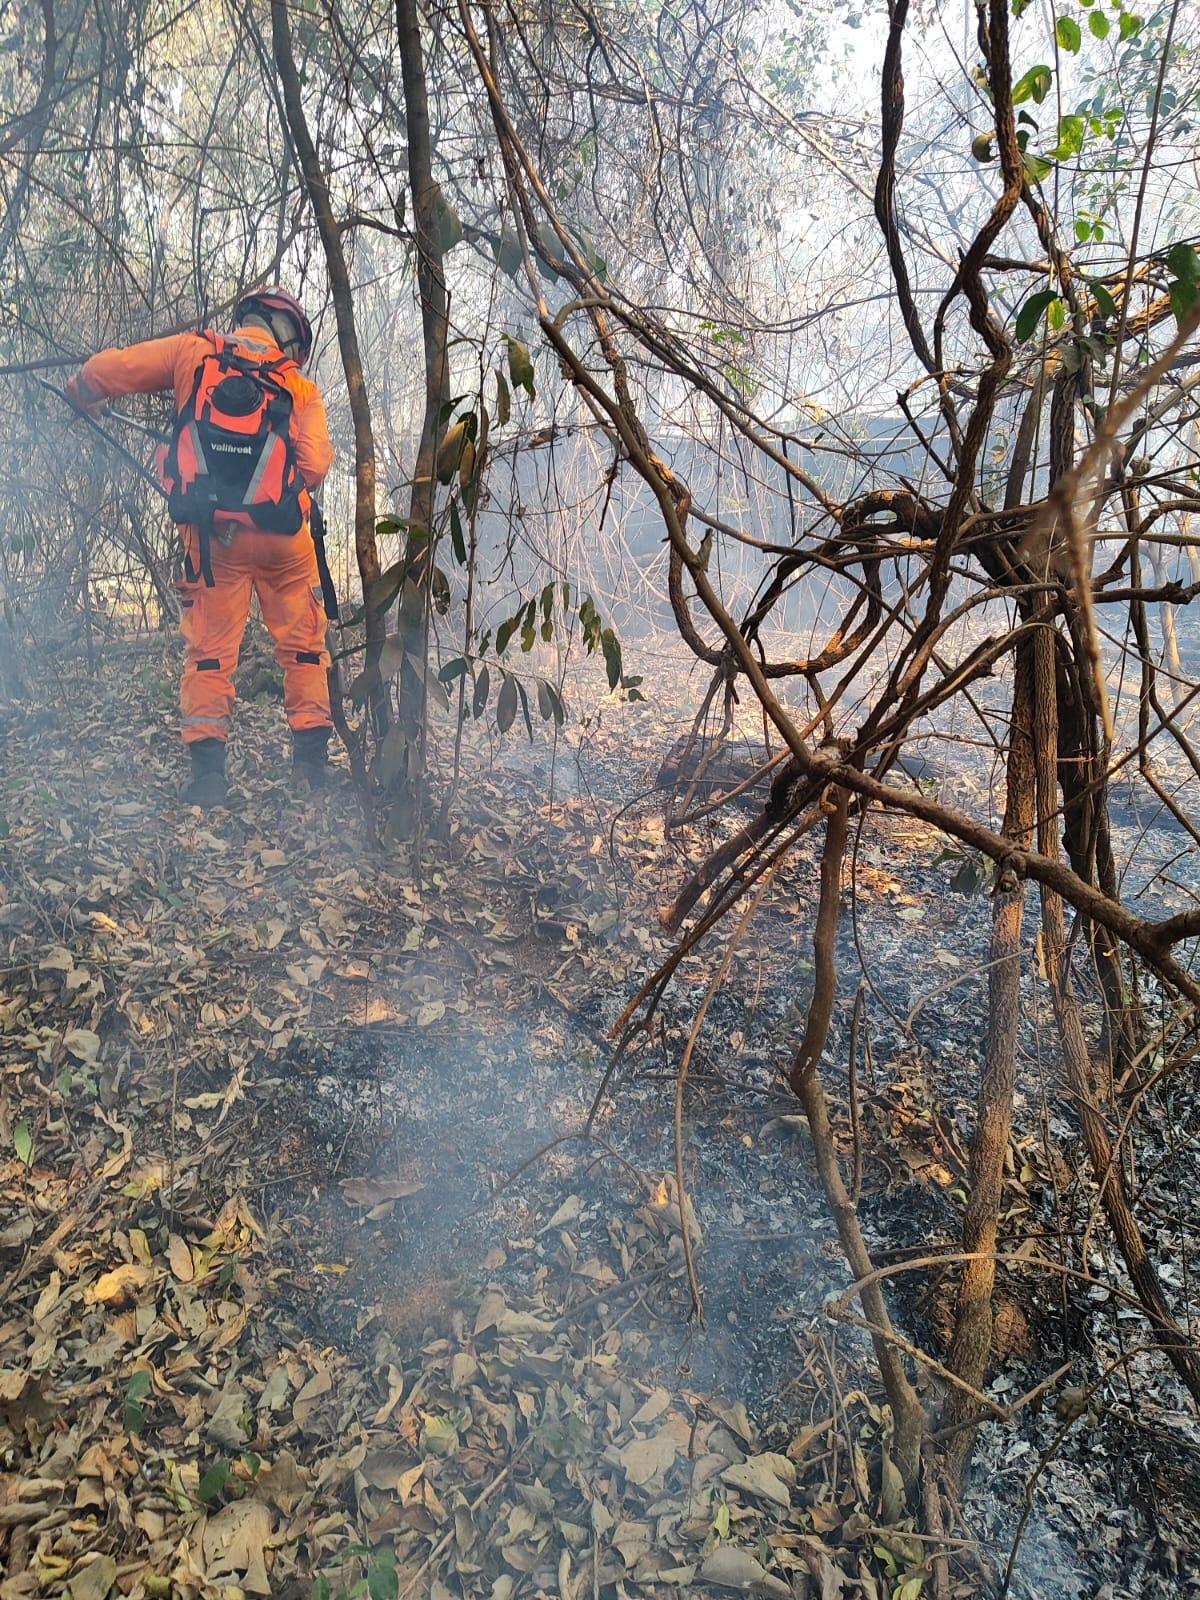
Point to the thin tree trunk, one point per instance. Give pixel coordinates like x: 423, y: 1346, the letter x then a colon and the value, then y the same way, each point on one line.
x: 431, y: 287
x: 37, y: 122
x: 908, y: 1414
x: 365, y: 547
x: 1080, y: 1074
x: 1088, y: 842
x: 971, y: 1347
x: 1170, y: 634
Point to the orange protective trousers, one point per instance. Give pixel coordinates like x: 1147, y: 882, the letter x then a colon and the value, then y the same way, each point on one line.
x: 282, y: 571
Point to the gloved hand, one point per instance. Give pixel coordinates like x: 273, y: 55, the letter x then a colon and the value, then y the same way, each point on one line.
x: 80, y: 396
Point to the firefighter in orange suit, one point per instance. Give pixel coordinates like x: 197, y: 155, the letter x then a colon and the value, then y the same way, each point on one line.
x: 229, y: 554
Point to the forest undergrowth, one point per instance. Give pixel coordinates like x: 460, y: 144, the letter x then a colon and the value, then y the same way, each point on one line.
x: 308, y: 1278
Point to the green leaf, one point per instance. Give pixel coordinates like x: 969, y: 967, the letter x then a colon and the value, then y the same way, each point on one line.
x: 393, y: 755
x: 1184, y: 296
x: 968, y: 879
x: 214, y: 1480
x: 1099, y: 24
x: 1037, y: 168
x: 136, y: 1391
x: 1031, y: 312
x: 525, y: 706
x: 1083, y: 230
x: 506, y: 703
x: 1033, y: 85
x: 447, y: 225
x: 550, y: 702
x: 448, y: 407
x: 362, y: 687
x: 1130, y: 25
x: 453, y: 670
x: 890, y: 1563
x: 457, y: 543
x: 1105, y: 303
x: 507, y: 250
x: 505, y: 632
x: 439, y: 590
x: 503, y: 399
x: 391, y: 657
x: 23, y: 1143
x: 387, y: 586
x: 322, y: 1589
x: 589, y: 252
x: 435, y: 692
x: 383, y: 1581
x: 1184, y: 262
x: 520, y: 365
x: 1070, y: 138
x: 479, y: 699
x: 1185, y: 290
x: 611, y: 646
x: 1066, y: 31
x: 550, y: 253
x: 1057, y: 314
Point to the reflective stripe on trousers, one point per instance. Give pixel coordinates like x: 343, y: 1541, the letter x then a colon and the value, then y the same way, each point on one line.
x: 281, y: 570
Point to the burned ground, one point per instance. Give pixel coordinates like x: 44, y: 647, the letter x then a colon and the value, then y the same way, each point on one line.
x: 302, y: 1255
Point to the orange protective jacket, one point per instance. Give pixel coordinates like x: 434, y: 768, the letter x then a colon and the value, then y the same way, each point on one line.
x: 171, y: 363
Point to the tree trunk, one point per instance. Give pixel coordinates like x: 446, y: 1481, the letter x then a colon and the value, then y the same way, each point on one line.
x: 431, y: 288
x: 1088, y: 844
x: 365, y: 547
x: 908, y: 1414
x: 971, y: 1347
x: 1079, y: 1072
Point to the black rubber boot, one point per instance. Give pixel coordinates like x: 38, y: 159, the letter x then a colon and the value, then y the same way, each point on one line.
x: 310, y: 755
x: 207, y: 788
